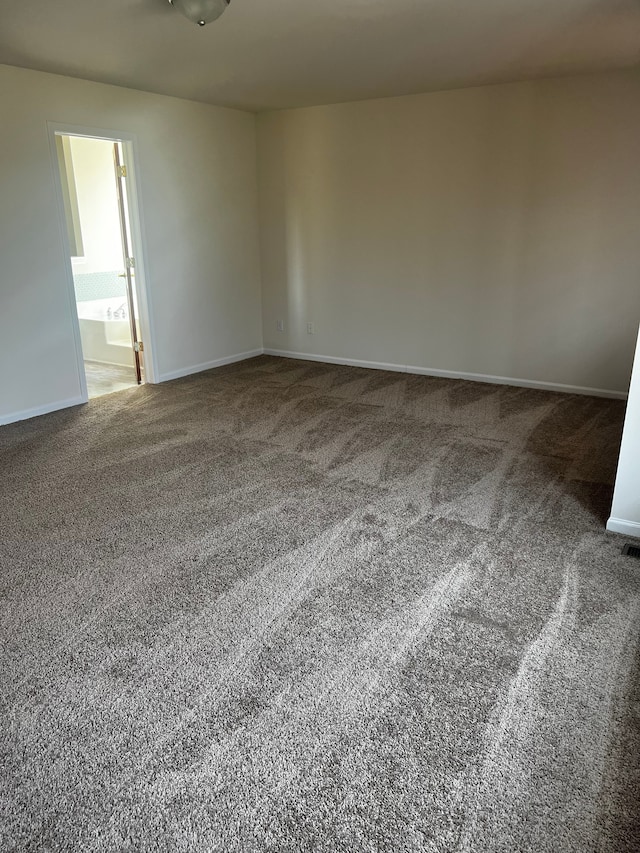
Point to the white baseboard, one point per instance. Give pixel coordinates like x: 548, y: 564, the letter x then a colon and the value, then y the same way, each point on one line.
x: 454, y: 374
x: 523, y: 383
x: 627, y: 528
x: 209, y: 365
x: 165, y: 377
x: 351, y: 362
x: 40, y: 410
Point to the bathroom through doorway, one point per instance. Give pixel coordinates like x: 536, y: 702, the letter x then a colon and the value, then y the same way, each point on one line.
x: 94, y: 175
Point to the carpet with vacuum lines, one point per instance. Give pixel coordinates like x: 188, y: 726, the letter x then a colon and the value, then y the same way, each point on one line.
x: 288, y: 606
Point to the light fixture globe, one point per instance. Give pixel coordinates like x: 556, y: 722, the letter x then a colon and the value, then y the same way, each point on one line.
x: 201, y: 12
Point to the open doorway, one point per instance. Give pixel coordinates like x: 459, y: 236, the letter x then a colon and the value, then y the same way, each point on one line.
x: 98, y: 217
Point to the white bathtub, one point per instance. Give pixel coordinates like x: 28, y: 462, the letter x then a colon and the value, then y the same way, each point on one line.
x: 105, y: 331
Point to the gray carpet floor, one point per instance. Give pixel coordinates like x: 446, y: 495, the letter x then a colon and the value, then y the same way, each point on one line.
x: 286, y: 606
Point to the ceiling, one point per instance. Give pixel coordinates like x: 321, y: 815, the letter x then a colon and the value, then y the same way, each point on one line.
x: 265, y: 54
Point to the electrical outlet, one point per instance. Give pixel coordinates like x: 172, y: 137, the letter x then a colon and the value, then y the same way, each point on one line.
x: 280, y: 325
x: 310, y: 329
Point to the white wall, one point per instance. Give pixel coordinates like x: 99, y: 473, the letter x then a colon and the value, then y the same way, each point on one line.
x: 492, y: 231
x: 95, y: 182
x: 197, y: 175
x: 625, y: 512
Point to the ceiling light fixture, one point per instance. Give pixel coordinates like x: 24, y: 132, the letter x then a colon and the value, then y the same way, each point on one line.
x: 201, y: 12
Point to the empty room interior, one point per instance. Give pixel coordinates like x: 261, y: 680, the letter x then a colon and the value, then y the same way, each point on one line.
x: 320, y: 426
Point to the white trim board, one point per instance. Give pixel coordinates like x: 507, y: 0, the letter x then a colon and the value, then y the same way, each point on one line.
x: 454, y: 374
x: 41, y: 410
x: 166, y: 377
x: 621, y: 525
x: 209, y: 365
x: 373, y: 365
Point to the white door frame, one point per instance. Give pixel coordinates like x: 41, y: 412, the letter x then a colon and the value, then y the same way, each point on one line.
x: 130, y: 148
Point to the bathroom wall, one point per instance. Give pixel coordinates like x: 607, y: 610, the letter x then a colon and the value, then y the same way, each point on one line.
x: 95, y: 182
x: 97, y: 273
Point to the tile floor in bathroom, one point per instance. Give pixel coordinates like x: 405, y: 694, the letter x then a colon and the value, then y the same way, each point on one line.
x: 107, y: 378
